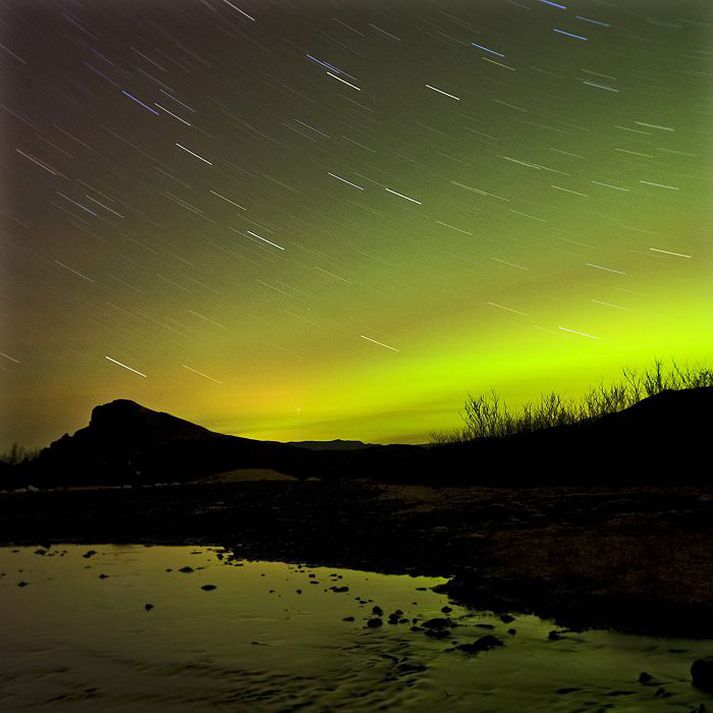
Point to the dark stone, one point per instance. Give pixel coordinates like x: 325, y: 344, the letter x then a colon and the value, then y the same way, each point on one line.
x: 374, y: 622
x: 89, y: 554
x: 438, y: 633
x: 554, y: 636
x: 22, y: 584
x: 186, y: 569
x: 438, y: 623
x: 446, y: 609
x: 377, y: 611
x: 148, y: 607
x: 645, y: 677
x: 348, y: 618
x: 565, y: 691
x: 103, y: 576
x: 506, y: 618
x: 702, y: 674
x: 208, y: 587
x: 484, y: 643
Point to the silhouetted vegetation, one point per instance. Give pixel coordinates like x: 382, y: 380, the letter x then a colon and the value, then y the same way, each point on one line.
x: 487, y: 415
x: 18, y: 454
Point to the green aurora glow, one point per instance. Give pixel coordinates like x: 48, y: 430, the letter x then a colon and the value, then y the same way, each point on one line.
x: 568, y: 186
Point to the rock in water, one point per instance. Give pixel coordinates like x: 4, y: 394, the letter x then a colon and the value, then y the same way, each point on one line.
x: 438, y: 633
x: 438, y: 623
x: 484, y: 643
x: 702, y: 674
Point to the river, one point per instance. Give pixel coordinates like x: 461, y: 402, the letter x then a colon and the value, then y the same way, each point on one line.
x: 122, y: 628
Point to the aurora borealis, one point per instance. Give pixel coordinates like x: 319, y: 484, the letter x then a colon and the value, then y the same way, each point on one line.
x: 322, y: 219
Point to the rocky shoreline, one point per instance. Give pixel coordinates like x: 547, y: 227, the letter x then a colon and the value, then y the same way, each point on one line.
x: 635, y: 559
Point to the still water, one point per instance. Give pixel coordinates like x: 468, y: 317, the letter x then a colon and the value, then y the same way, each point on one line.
x: 79, y: 636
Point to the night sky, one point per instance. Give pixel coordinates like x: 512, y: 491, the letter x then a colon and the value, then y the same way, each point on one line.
x: 321, y: 219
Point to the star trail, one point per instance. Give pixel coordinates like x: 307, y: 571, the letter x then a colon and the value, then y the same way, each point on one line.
x: 322, y: 219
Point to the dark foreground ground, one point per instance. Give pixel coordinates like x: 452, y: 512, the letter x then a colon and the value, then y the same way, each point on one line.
x: 636, y: 559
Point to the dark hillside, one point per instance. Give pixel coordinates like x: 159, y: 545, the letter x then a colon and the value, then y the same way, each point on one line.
x: 662, y: 439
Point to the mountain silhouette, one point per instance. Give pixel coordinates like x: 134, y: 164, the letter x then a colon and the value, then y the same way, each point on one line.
x: 663, y: 438
x: 337, y: 444
x: 129, y: 443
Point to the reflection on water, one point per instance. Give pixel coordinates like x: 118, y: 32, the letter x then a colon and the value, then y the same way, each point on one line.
x: 273, y: 637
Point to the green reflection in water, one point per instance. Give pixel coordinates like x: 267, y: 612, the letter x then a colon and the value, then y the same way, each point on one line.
x: 272, y: 637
